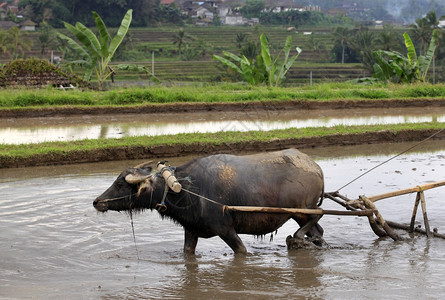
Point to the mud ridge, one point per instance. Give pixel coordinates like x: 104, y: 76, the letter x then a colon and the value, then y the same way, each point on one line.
x: 223, y: 106
x: 163, y: 151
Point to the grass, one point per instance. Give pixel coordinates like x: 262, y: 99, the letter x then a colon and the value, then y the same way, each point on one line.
x: 211, y: 93
x: 14, y: 152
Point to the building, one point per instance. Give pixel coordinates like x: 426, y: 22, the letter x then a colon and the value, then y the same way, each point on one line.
x: 28, y: 25
x: 5, y: 25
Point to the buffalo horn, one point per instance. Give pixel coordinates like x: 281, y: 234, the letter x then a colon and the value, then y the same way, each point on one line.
x: 144, y: 164
x: 134, y: 179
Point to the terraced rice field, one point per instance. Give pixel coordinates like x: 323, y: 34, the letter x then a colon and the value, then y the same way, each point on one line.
x: 312, y: 62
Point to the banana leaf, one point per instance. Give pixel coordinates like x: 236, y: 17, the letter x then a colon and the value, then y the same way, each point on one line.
x: 411, y: 52
x: 425, y: 61
x: 104, y: 36
x: 86, y: 37
x: 265, y: 52
x: 228, y: 63
x: 75, y: 46
x: 287, y: 64
x: 120, y: 35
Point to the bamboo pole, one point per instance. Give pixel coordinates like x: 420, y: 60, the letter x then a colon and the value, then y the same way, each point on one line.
x: 425, y: 217
x: 413, y: 217
x: 297, y: 210
x: 416, y: 229
x: 418, y: 188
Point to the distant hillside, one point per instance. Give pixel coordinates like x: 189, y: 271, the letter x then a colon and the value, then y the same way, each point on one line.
x: 399, y: 11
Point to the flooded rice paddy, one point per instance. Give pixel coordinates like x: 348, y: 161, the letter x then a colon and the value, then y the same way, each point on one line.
x: 63, y: 128
x: 55, y: 246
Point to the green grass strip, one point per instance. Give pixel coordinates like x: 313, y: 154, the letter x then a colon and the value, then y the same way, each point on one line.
x: 64, y: 148
x: 212, y: 93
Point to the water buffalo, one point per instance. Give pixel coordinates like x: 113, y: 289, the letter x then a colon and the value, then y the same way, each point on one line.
x: 285, y: 178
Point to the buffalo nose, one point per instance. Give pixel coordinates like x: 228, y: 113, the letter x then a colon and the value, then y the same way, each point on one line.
x: 95, y: 203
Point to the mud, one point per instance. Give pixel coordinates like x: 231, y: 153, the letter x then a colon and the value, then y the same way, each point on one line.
x: 56, y: 246
x: 225, y: 106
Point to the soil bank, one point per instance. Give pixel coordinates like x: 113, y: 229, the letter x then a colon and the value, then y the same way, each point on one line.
x: 220, y: 106
x: 163, y: 151
x: 176, y: 150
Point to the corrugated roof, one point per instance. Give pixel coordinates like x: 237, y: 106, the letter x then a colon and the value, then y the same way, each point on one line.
x: 167, y: 2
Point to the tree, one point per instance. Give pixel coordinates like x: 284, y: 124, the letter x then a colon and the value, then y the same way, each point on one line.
x: 264, y: 69
x: 423, y: 28
x: 96, y: 53
x: 393, y: 66
x: 180, y: 38
x: 387, y: 39
x: 276, y: 73
x: 252, y: 8
x: 46, y: 37
x: 17, y: 42
x: 363, y: 43
x: 342, y: 35
x: 53, y: 11
x: 3, y: 42
x: 240, y: 39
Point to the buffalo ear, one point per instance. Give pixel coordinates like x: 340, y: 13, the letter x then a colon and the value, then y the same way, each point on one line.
x: 144, y: 165
x: 136, y: 178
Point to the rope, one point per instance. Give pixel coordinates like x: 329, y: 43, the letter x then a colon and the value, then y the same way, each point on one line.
x: 205, y: 198
x: 403, y: 152
x: 118, y: 198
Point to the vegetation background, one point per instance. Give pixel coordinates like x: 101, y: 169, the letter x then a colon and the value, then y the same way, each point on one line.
x: 335, y: 46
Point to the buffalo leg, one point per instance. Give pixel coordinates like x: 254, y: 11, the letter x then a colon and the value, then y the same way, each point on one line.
x: 190, y: 242
x: 315, y: 231
x: 309, y: 227
x: 233, y: 240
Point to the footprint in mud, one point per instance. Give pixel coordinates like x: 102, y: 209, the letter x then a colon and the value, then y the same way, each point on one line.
x: 306, y: 243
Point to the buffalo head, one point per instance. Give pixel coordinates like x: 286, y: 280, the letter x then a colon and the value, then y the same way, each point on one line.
x: 132, y: 190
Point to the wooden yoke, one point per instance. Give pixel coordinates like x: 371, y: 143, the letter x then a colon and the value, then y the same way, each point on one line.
x: 169, y: 177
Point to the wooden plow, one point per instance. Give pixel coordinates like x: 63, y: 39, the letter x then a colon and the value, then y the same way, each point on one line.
x: 378, y: 223
x: 364, y: 206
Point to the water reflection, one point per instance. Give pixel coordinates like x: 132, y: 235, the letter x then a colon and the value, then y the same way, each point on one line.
x: 18, y: 131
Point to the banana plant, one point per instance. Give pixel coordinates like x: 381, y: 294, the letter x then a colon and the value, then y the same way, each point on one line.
x: 246, y: 68
x: 276, y: 73
x: 264, y: 69
x: 96, y: 53
x: 393, y: 66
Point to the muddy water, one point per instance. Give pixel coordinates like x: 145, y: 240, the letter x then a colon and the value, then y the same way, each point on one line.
x: 36, y: 130
x: 54, y: 245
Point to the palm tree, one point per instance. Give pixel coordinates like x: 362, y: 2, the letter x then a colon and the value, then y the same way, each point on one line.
x: 387, y: 39
x: 3, y: 42
x: 422, y: 31
x: 18, y: 43
x: 241, y: 39
x: 363, y: 43
x: 180, y: 38
x: 341, y: 35
x: 423, y: 28
x: 46, y: 37
x: 316, y: 45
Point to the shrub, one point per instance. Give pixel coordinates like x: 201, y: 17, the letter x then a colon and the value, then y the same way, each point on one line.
x: 35, y: 72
